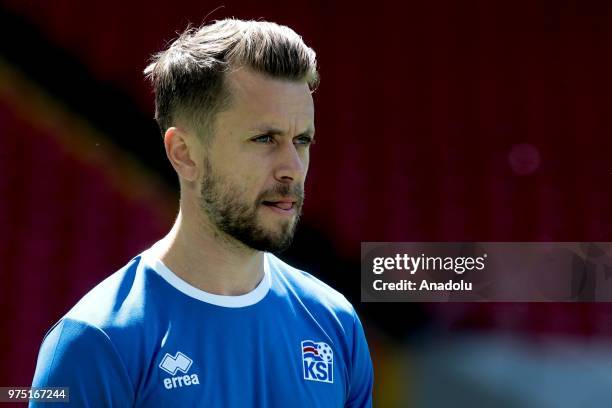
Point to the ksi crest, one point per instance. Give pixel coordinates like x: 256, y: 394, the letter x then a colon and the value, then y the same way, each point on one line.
x: 317, y: 361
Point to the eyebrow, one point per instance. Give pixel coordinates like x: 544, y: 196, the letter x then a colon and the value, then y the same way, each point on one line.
x: 274, y: 131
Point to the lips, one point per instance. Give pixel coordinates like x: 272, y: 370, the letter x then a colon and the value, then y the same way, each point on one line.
x: 282, y: 204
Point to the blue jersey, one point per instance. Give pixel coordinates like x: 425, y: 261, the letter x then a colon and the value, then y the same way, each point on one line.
x: 144, y: 337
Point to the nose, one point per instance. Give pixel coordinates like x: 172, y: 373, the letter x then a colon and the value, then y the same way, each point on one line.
x: 292, y: 164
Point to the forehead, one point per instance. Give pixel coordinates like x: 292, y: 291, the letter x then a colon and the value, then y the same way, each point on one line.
x: 257, y: 97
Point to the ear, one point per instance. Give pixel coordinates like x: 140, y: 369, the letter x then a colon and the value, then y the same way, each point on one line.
x: 181, y: 150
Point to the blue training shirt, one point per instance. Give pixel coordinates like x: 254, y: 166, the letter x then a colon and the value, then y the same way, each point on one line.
x: 144, y: 337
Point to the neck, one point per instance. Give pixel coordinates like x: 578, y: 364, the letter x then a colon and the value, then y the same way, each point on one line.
x: 197, y: 253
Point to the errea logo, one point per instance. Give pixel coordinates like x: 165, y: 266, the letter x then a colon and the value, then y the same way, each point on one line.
x: 173, y: 364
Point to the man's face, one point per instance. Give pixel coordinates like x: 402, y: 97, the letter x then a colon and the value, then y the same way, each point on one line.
x: 256, y: 163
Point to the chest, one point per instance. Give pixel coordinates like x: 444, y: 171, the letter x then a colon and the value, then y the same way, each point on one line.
x: 242, y: 360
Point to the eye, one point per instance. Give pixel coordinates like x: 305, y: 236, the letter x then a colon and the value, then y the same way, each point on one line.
x: 304, y: 141
x: 265, y: 139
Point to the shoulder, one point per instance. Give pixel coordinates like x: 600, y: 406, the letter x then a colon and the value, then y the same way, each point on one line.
x: 112, y: 312
x: 79, y: 356
x: 105, y: 330
x: 309, y: 289
x: 69, y: 341
x: 115, y: 301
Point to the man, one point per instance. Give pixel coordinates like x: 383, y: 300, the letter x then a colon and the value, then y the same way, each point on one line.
x: 207, y: 316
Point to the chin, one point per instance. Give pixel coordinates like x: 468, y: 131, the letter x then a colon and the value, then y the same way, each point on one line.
x: 275, y: 241
x: 276, y: 227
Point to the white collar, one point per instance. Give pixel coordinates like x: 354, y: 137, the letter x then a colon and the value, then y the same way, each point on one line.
x: 248, y: 299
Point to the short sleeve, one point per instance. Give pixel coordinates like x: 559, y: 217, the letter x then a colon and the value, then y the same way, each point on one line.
x: 81, y: 357
x: 362, y: 373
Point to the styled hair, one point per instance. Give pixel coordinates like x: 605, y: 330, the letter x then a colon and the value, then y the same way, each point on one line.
x: 188, y: 77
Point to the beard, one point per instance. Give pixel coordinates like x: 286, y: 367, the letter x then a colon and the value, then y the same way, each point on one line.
x: 233, y: 216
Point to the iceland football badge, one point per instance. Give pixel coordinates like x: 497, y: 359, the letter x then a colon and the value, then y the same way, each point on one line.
x: 317, y: 361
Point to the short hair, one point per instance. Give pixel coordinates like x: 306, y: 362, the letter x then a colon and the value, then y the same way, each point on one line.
x: 188, y: 77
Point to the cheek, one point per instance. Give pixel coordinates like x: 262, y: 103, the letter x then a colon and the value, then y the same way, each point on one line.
x: 306, y: 162
x: 251, y: 182
x: 253, y: 172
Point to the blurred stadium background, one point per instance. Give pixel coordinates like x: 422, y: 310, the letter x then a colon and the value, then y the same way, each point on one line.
x: 436, y: 121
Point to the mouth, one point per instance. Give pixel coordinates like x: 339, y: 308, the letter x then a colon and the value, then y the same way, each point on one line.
x: 284, y: 206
